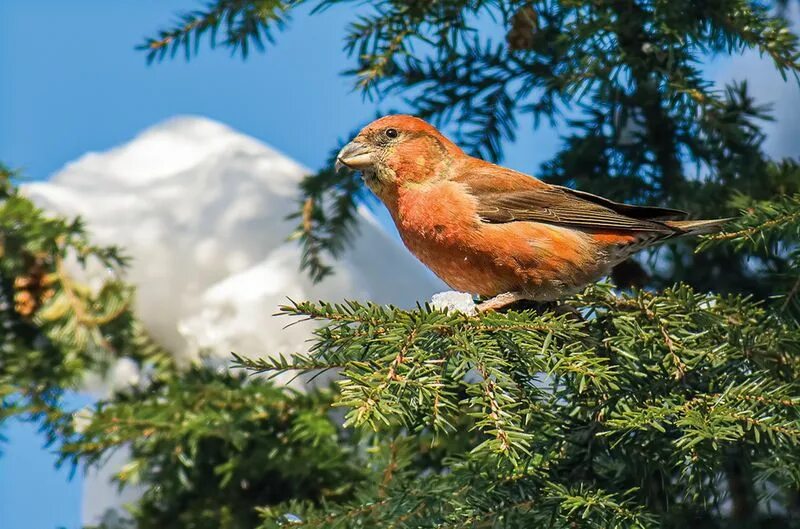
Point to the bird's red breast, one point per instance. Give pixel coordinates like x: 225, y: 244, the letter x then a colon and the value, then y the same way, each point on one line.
x: 438, y: 222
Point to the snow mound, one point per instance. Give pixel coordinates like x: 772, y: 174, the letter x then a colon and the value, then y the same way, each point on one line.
x: 452, y: 301
x: 201, y: 209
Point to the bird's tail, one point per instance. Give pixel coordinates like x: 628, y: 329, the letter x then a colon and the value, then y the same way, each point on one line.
x: 696, y: 227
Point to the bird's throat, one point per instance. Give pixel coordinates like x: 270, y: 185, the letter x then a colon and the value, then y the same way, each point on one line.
x: 379, y: 180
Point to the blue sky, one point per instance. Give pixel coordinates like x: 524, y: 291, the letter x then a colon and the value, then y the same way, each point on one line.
x: 72, y: 83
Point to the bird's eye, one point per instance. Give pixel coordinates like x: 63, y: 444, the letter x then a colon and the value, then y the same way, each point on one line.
x: 392, y: 133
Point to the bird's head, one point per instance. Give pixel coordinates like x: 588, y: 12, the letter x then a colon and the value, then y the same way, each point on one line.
x: 396, y: 150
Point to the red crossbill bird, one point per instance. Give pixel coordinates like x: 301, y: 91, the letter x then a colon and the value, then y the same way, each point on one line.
x: 493, y: 231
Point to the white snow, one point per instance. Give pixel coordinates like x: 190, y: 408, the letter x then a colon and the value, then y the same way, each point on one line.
x: 452, y: 301
x: 82, y: 418
x: 201, y: 210
x: 124, y: 375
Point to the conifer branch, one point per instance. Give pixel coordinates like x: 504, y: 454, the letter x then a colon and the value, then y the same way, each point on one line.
x: 246, y: 23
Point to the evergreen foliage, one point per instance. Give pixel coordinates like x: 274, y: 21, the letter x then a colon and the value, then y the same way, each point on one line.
x: 673, y: 404
x: 641, y: 412
x: 54, y: 328
x: 216, y: 447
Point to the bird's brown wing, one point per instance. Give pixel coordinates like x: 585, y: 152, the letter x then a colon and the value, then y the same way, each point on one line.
x: 567, y: 207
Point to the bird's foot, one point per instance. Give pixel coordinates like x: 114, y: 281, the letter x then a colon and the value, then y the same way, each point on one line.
x: 519, y: 301
x: 500, y: 301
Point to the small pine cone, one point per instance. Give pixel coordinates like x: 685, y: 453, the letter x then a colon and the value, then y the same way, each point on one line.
x: 23, y: 282
x: 24, y: 303
x: 46, y: 295
x: 524, y: 25
x: 33, y: 289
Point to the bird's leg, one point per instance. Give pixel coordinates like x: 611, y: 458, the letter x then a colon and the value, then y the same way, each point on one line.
x: 500, y: 301
x: 519, y: 301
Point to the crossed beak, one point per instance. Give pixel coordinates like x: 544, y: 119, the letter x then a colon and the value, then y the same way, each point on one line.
x: 354, y: 155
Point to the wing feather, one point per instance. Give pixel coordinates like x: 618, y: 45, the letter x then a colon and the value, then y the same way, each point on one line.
x: 505, y: 195
x: 638, y: 212
x: 556, y: 205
